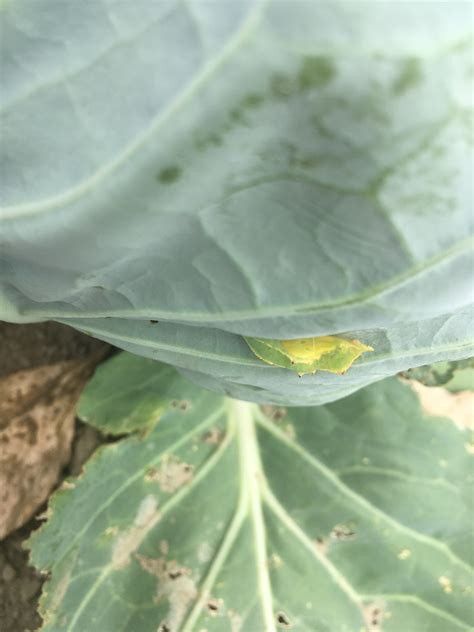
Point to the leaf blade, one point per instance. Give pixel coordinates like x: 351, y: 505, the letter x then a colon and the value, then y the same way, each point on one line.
x: 274, y: 495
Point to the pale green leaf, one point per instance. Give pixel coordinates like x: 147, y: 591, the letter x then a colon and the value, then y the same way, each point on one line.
x: 268, y: 169
x: 127, y: 393
x: 228, y: 517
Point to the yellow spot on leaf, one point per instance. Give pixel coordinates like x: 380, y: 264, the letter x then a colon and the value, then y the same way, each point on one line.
x: 307, y: 350
x: 445, y: 582
x: 404, y: 554
x: 308, y: 355
x: 275, y: 561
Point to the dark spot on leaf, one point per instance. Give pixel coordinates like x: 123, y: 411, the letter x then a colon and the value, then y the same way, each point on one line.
x: 164, y: 627
x: 252, y: 100
x: 213, y: 606
x: 373, y: 615
x: 150, y: 474
x: 204, y: 142
x: 279, y: 414
x: 170, y: 174
x: 409, y: 76
x: 213, y: 436
x: 342, y: 532
x: 153, y: 322
x: 237, y: 115
x: 316, y: 72
x: 281, y: 86
x: 274, y: 413
x: 175, y: 574
x: 282, y: 620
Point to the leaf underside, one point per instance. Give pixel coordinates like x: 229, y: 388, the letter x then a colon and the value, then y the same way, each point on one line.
x: 264, y: 169
x: 230, y: 517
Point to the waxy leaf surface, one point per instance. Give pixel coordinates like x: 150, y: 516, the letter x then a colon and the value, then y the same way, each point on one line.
x: 265, y: 169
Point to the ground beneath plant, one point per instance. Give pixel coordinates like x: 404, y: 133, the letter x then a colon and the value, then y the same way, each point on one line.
x: 25, y: 350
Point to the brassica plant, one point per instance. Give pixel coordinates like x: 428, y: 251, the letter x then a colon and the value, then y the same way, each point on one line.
x: 256, y: 194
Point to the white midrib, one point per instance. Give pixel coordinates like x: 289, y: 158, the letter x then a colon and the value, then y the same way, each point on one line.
x: 252, y: 478
x: 241, y: 419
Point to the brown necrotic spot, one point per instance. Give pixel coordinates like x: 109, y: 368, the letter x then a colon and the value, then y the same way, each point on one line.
x: 283, y: 620
x: 213, y: 607
x: 343, y: 532
x: 374, y: 614
x: 213, y: 436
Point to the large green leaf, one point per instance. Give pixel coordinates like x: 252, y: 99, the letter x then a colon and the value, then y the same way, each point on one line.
x: 227, y: 517
x: 268, y: 169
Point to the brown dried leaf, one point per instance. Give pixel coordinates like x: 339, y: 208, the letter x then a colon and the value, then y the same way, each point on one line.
x: 36, y: 429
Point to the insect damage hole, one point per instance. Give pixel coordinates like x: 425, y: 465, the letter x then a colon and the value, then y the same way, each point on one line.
x: 342, y: 532
x: 283, y: 621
